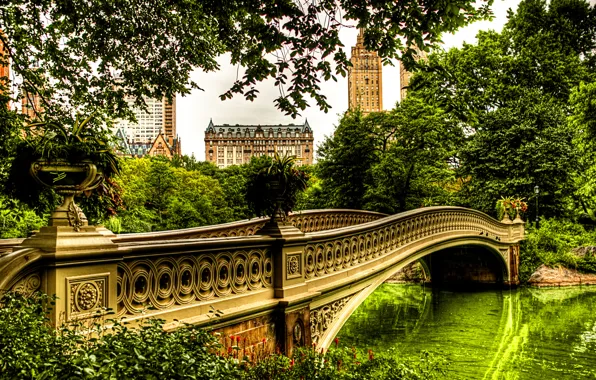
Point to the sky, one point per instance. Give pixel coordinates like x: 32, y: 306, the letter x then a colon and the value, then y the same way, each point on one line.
x: 194, y: 111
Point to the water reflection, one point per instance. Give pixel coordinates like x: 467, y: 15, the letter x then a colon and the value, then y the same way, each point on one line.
x: 520, y: 334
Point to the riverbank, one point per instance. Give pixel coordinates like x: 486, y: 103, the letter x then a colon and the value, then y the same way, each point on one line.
x: 561, y: 276
x: 544, y: 276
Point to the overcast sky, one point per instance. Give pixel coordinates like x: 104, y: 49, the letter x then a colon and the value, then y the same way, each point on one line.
x: 194, y: 111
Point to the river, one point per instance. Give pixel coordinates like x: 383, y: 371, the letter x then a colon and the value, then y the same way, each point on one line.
x: 528, y: 333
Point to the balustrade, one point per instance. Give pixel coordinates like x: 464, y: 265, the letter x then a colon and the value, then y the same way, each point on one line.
x: 180, y: 274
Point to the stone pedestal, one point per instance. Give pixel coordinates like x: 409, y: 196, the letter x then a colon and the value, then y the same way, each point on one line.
x: 80, y: 268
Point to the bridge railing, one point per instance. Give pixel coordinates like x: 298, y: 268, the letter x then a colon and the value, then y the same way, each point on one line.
x: 179, y: 277
x: 148, y: 273
x: 162, y: 276
x: 331, y: 251
x: 306, y: 221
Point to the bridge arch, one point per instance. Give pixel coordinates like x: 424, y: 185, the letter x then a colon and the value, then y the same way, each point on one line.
x: 368, y: 286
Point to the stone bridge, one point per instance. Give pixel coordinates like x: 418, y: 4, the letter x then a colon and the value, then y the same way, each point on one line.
x: 277, y: 286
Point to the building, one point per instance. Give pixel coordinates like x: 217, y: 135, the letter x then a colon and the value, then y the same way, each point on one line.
x: 227, y: 145
x: 365, y: 79
x: 150, y: 122
x: 31, y: 105
x: 405, y: 75
x: 4, y: 64
x: 154, y: 133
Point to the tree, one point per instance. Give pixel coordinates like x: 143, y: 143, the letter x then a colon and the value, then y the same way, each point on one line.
x: 195, y: 200
x: 519, y: 146
x: 418, y: 165
x: 583, y: 120
x: 88, y: 55
x: 510, y: 91
x: 345, y: 161
x: 389, y: 161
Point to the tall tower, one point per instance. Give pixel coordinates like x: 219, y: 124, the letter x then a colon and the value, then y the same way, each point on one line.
x: 365, y: 79
x: 4, y: 67
x: 405, y: 75
x: 169, y: 118
x: 159, y: 117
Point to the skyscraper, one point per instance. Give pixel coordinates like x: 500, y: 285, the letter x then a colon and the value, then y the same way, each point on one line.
x: 4, y: 61
x: 169, y: 119
x: 154, y: 131
x: 405, y: 75
x: 365, y: 79
x: 31, y: 105
x: 4, y: 67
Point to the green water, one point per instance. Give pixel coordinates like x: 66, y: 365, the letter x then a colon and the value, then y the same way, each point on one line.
x: 497, y: 334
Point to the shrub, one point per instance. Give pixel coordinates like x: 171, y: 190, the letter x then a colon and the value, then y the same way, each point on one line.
x: 31, y: 348
x: 346, y: 363
x: 552, y: 245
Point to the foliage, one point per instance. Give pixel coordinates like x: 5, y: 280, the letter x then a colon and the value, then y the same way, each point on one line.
x: 582, y: 119
x: 345, y: 161
x: 552, y: 245
x: 276, y: 185
x: 346, y: 363
x: 92, y: 54
x: 416, y: 167
x: 390, y: 162
x: 31, y: 348
x: 16, y: 219
x: 510, y: 92
x: 72, y: 140
x: 512, y: 151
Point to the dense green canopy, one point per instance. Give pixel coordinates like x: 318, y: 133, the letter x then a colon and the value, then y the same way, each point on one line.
x: 75, y: 52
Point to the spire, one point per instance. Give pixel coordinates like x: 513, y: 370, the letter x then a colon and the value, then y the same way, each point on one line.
x: 360, y: 38
x: 210, y: 127
x: 306, y: 128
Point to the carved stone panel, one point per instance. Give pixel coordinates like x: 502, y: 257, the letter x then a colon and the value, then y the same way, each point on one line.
x: 167, y: 282
x: 294, y: 266
x: 322, y: 318
x: 28, y: 284
x: 88, y: 296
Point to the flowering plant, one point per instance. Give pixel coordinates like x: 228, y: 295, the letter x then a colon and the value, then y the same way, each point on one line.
x: 511, y: 207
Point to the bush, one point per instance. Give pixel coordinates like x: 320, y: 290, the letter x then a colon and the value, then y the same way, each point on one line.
x: 31, y: 348
x: 552, y: 245
x: 345, y: 363
x: 16, y: 219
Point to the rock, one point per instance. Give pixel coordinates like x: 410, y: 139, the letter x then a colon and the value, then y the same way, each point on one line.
x: 582, y: 251
x: 547, y: 276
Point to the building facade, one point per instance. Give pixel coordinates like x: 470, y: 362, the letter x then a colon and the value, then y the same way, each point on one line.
x: 405, y: 75
x: 4, y: 63
x: 31, y: 105
x: 227, y: 145
x: 154, y: 133
x: 365, y: 79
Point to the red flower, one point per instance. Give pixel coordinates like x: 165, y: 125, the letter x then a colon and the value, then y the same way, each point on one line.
x: 238, y: 339
x: 336, y: 340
